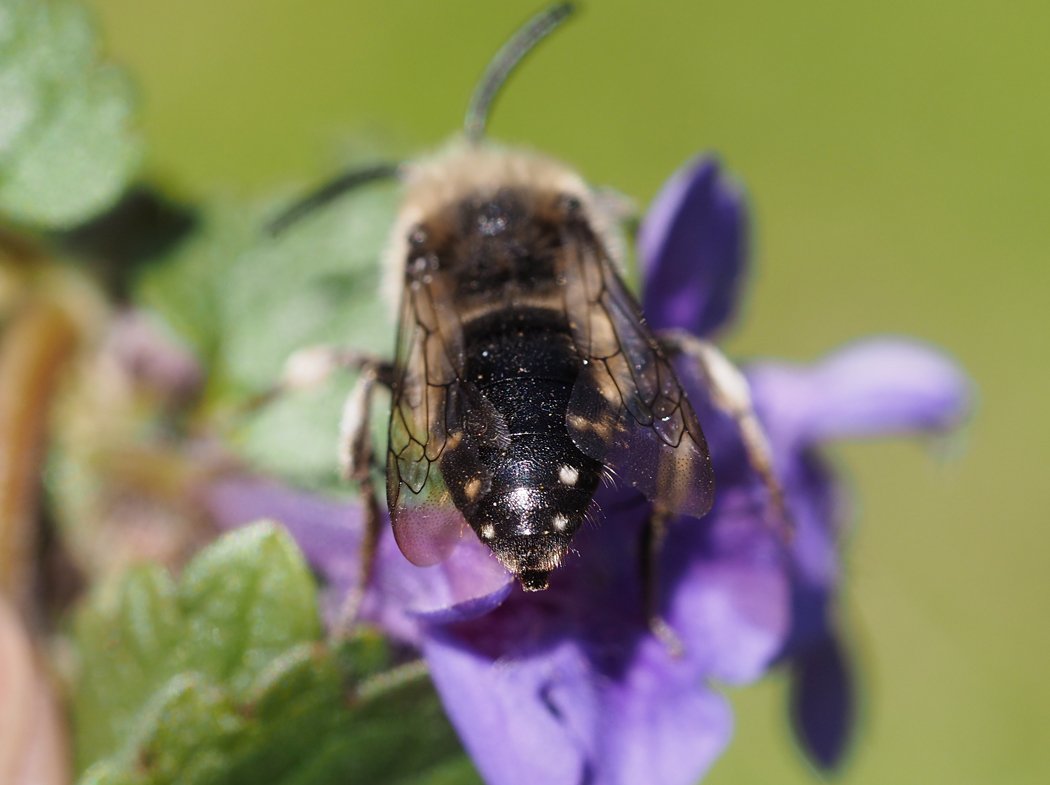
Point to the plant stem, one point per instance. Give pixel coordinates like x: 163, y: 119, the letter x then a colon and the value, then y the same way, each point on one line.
x: 38, y: 342
x: 374, y: 686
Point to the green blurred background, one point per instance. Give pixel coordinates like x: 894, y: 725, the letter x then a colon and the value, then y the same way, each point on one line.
x: 897, y: 156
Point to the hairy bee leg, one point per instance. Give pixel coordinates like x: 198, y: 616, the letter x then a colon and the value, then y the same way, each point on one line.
x: 311, y: 367
x: 356, y: 458
x: 731, y: 393
x: 654, y: 532
x: 622, y: 208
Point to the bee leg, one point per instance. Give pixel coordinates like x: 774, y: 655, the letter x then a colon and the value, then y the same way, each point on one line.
x: 313, y: 366
x: 621, y: 207
x: 654, y: 532
x: 731, y: 393
x: 356, y: 459
x: 309, y: 368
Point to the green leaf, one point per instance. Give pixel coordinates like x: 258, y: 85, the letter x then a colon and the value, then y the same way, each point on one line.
x: 222, y: 679
x: 188, y: 289
x: 191, y: 733
x: 246, y: 301
x: 67, y: 148
x: 106, y: 773
x: 245, y: 600
x: 127, y: 640
x: 241, y: 602
x: 308, y: 733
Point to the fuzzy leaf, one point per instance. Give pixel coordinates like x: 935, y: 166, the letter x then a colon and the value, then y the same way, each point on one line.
x: 128, y: 641
x: 241, y: 602
x: 67, y: 148
x: 222, y: 680
x: 245, y: 600
x: 246, y: 301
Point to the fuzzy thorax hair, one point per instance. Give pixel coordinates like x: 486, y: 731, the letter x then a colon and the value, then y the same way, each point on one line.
x: 464, y: 170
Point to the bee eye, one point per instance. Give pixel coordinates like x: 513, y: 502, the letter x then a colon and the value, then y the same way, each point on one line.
x: 417, y: 236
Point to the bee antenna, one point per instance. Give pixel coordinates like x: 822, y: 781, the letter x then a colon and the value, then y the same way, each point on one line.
x: 329, y: 192
x: 506, y: 59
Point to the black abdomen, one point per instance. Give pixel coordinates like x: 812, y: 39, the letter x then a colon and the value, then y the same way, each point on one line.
x: 522, y: 360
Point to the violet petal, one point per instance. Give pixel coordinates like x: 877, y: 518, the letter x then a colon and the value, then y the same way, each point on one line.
x: 659, y: 723
x: 329, y: 532
x: 693, y: 250
x: 823, y: 704
x: 510, y: 731
x: 818, y: 509
x: 554, y: 717
x: 472, y: 582
x: 875, y: 387
x: 731, y: 609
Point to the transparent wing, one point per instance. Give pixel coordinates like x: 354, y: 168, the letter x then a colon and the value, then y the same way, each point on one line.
x: 628, y: 409
x: 426, y: 522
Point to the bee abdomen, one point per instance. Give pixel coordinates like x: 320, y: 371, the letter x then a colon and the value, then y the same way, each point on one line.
x: 525, y: 363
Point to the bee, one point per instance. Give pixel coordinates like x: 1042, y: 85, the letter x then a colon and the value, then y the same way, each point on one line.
x: 524, y: 368
x: 524, y: 371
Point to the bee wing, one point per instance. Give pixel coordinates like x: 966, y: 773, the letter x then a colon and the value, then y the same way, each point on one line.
x: 628, y: 409
x: 434, y: 416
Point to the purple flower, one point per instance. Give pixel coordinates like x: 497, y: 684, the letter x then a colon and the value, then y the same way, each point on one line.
x: 569, y: 685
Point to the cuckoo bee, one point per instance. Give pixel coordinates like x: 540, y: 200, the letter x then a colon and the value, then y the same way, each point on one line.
x: 524, y: 368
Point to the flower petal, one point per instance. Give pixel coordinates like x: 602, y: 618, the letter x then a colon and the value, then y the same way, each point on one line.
x: 469, y: 583
x: 874, y: 387
x: 823, y: 710
x: 693, y: 250
x: 730, y: 608
x: 329, y: 532
x: 554, y: 716
x: 660, y: 724
x: 819, y: 510
x: 513, y: 734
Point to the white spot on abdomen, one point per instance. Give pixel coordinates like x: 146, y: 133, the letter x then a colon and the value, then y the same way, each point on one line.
x: 568, y: 475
